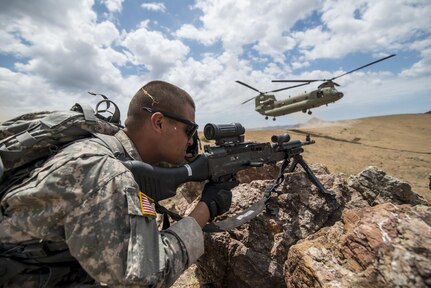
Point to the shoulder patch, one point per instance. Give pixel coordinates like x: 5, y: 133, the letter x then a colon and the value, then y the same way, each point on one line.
x: 139, y: 204
x: 147, y: 205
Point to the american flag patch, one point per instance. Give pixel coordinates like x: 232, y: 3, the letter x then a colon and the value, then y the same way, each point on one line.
x: 147, y: 205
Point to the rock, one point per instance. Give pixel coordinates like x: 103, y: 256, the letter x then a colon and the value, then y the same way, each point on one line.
x: 266, y: 172
x: 188, y: 279
x: 382, y: 246
x: 191, y: 190
x: 376, y: 188
x: 374, y: 233
x: 253, y: 255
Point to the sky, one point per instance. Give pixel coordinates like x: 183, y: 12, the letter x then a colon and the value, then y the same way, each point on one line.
x: 54, y: 51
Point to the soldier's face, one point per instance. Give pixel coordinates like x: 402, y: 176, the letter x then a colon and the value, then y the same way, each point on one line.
x: 179, y: 136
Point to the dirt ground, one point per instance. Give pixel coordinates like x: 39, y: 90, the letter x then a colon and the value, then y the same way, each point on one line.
x: 398, y: 144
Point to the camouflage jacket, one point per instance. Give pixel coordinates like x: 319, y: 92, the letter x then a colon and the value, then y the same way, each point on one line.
x: 87, y: 198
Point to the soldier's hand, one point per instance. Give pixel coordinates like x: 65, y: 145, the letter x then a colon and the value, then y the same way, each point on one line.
x: 218, y: 197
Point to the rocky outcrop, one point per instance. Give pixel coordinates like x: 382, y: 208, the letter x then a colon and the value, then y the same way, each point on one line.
x: 376, y: 231
x: 382, y: 246
x: 376, y: 188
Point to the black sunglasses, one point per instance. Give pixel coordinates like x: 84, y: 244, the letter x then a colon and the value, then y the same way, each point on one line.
x: 191, y: 126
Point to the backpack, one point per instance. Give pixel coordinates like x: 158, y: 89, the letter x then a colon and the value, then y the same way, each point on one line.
x: 28, y: 140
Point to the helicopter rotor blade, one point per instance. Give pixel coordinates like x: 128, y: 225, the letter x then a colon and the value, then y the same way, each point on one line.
x: 249, y: 99
x: 309, y: 81
x: 314, y: 80
x: 248, y: 86
x: 369, y: 64
x: 290, y: 87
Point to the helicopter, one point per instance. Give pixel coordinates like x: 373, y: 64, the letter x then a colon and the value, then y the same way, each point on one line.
x: 266, y: 103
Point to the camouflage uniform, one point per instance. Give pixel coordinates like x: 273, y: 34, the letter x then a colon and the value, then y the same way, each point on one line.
x: 87, y: 198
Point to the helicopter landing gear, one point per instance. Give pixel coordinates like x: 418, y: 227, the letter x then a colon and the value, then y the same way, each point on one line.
x: 309, y: 112
x: 266, y: 117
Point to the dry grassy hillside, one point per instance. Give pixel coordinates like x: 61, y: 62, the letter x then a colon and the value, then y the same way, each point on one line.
x: 399, y: 144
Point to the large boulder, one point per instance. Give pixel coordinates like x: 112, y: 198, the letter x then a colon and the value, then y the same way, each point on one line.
x: 383, y: 245
x: 253, y: 254
x: 376, y: 187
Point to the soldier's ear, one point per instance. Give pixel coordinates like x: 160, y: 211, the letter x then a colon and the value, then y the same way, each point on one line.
x: 156, y: 122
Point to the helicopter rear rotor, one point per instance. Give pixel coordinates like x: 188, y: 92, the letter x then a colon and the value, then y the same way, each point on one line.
x: 330, y: 82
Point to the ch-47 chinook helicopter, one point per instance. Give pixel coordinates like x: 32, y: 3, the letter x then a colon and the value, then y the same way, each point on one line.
x: 266, y: 104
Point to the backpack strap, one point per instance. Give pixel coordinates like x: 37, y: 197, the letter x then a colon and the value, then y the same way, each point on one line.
x: 86, y: 109
x: 113, y: 144
x: 49, y: 262
x: 114, y: 118
x: 38, y: 252
x: 166, y: 214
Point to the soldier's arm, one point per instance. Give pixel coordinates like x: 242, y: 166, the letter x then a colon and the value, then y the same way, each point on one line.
x: 201, y: 214
x: 119, y: 244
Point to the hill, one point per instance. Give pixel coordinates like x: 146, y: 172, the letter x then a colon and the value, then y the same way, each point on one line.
x: 399, y: 144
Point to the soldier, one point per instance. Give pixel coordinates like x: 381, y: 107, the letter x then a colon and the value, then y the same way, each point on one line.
x: 83, y: 214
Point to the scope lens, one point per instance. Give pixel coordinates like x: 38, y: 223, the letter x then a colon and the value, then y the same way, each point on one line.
x: 209, y: 131
x: 218, y: 131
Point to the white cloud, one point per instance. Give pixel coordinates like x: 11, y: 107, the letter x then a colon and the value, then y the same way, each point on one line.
x: 105, y: 33
x: 152, y: 49
x: 154, y: 6
x: 44, y: 14
x: 113, y: 5
x: 189, y: 31
x: 63, y: 50
x: 238, y: 23
x: 21, y: 93
x: 423, y: 66
x: 420, y: 68
x: 71, y: 59
x: 382, y: 25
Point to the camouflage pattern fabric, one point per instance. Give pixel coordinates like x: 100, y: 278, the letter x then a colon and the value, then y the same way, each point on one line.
x: 87, y: 198
x: 23, y: 140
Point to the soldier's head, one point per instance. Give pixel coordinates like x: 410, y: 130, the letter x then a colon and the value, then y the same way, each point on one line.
x: 161, y: 122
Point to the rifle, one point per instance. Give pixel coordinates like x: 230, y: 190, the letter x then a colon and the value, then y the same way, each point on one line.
x: 220, y: 163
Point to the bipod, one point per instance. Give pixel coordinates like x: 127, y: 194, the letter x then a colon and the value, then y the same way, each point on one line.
x: 297, y: 159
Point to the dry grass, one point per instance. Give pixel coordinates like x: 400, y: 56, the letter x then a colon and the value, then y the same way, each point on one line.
x: 398, y: 144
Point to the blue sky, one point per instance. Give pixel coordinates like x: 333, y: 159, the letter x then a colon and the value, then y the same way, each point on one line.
x: 53, y: 52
